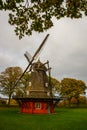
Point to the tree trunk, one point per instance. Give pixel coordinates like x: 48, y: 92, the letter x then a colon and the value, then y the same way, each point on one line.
x: 9, y: 100
x: 69, y: 102
x: 77, y: 102
x: 64, y: 102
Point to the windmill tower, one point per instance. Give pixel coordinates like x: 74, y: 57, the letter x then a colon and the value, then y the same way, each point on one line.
x: 39, y: 84
x: 38, y: 98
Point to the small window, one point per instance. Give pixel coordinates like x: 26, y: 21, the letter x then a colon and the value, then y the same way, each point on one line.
x: 27, y: 93
x: 29, y: 83
x: 37, y: 105
x: 48, y: 93
x: 46, y: 84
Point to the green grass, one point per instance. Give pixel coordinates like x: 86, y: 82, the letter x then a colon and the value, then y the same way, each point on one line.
x: 63, y: 119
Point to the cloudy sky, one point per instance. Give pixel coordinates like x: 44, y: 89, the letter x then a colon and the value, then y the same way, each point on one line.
x: 66, y: 47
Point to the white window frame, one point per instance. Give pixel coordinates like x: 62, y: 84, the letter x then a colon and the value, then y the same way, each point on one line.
x: 46, y: 84
x: 38, y: 105
x: 29, y: 83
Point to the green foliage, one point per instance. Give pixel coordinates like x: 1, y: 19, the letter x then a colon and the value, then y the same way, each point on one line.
x: 1, y: 5
x: 82, y: 99
x: 55, y: 85
x: 20, y: 91
x: 8, y: 79
x: 36, y: 15
x: 74, y: 102
x: 72, y: 88
x: 25, y: 79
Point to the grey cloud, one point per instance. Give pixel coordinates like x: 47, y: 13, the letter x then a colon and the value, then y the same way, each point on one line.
x: 66, y: 47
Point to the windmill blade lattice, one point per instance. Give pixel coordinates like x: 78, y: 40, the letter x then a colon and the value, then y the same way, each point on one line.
x: 33, y: 58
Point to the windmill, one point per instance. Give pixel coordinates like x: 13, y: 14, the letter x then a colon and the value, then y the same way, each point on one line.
x: 38, y: 96
x: 30, y: 59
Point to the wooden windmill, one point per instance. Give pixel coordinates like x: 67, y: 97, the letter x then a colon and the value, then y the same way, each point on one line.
x: 38, y: 97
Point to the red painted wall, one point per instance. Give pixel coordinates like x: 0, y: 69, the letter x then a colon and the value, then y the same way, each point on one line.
x: 30, y: 107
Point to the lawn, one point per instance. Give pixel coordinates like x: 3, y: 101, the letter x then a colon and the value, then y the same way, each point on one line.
x: 63, y: 119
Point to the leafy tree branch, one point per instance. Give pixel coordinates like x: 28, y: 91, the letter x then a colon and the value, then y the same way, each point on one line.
x: 36, y: 15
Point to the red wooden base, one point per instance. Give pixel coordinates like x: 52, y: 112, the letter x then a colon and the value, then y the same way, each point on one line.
x: 33, y: 107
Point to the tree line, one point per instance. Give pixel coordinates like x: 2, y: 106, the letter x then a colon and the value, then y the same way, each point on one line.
x: 68, y: 88
x: 74, y: 102
x: 71, y: 90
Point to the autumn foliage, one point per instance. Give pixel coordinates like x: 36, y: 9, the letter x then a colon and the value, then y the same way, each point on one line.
x: 70, y: 89
x: 8, y: 79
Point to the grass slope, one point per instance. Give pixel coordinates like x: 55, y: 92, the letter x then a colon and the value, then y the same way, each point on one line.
x: 63, y: 119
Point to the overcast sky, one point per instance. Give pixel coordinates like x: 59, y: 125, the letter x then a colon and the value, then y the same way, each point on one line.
x: 66, y: 47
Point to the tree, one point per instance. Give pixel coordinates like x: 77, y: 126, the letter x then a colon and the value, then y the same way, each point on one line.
x: 21, y: 91
x: 55, y: 85
x: 72, y: 88
x: 36, y: 15
x: 82, y: 99
x: 8, y: 79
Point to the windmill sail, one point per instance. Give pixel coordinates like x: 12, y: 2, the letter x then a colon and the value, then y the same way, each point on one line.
x: 28, y: 56
x: 33, y: 58
x: 40, y: 48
